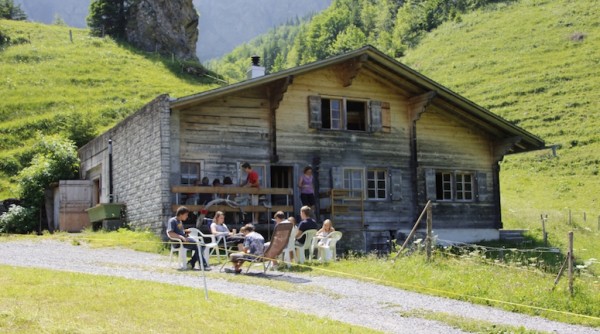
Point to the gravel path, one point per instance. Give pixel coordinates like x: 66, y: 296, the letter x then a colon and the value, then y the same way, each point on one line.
x: 346, y: 300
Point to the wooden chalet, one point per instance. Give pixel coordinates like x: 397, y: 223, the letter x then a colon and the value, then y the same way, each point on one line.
x: 382, y: 139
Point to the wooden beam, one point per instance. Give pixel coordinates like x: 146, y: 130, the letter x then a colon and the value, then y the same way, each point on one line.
x: 231, y: 190
x: 418, y: 104
x: 245, y: 208
x: 503, y: 147
x: 348, y: 70
x: 277, y: 90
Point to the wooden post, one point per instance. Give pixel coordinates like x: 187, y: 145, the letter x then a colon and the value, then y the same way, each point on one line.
x: 71, y: 35
x: 570, y: 259
x: 570, y: 221
x: 429, y: 240
x: 544, y: 234
x: 584, y: 217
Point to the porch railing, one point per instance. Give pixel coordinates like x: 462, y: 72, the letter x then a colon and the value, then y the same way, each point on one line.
x: 262, y: 197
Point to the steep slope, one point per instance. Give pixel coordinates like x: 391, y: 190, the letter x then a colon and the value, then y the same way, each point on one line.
x: 222, y: 24
x: 536, y: 63
x: 50, y: 84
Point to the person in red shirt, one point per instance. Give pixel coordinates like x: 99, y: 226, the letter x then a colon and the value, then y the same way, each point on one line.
x: 252, y: 178
x: 253, y: 182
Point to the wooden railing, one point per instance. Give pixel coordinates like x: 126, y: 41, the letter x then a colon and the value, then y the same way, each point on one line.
x: 262, y: 196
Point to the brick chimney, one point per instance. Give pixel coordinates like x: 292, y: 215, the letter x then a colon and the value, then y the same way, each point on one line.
x: 255, y: 70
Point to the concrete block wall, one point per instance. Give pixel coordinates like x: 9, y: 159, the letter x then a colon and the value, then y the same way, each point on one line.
x: 141, y: 163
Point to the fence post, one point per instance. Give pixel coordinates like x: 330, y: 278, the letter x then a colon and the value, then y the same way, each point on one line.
x: 584, y: 217
x: 570, y: 221
x: 570, y: 259
x: 544, y: 234
x: 429, y: 240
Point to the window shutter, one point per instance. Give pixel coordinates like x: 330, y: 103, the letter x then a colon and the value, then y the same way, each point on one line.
x: 430, y: 184
x: 386, y: 117
x: 375, y: 108
x: 337, y: 178
x: 395, y: 184
x: 314, y: 112
x: 481, y: 191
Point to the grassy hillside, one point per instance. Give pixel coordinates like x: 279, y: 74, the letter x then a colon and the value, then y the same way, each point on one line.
x: 535, y: 63
x: 50, y: 84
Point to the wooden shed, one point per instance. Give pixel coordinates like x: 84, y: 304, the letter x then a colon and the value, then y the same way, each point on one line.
x: 382, y: 138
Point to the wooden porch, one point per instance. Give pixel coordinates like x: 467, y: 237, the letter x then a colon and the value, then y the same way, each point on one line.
x: 264, y: 199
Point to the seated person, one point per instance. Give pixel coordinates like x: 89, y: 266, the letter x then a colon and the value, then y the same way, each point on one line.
x: 219, y: 229
x: 324, y: 232
x: 253, y: 245
x: 175, y: 231
x: 307, y: 223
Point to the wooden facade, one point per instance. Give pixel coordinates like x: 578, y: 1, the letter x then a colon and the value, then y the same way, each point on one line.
x: 382, y: 138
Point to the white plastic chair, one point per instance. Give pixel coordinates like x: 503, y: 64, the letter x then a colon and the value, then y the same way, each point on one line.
x: 291, y: 247
x: 300, y: 250
x: 209, y: 247
x: 326, y: 248
x: 177, y: 246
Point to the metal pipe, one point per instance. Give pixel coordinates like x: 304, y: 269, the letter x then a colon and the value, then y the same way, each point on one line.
x: 110, y: 172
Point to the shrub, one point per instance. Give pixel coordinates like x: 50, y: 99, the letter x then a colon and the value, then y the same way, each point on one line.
x: 18, y: 219
x: 55, y: 159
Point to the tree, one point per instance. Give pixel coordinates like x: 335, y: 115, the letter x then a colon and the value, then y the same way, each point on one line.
x: 55, y: 159
x: 109, y: 17
x: 10, y: 11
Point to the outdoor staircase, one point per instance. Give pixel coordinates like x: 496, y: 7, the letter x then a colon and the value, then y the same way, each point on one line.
x: 513, y: 236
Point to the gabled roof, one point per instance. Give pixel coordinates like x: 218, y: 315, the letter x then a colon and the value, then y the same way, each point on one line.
x: 393, y: 72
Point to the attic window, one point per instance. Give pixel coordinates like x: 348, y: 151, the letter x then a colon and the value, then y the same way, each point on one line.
x: 348, y: 114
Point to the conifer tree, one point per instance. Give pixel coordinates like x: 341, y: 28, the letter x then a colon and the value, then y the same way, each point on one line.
x: 108, y: 17
x: 10, y: 11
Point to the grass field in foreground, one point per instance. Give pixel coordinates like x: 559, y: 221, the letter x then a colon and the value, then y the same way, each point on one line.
x: 46, y: 301
x: 512, y: 286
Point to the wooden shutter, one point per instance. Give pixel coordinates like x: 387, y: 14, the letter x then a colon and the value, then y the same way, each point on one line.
x: 314, y: 112
x: 430, y: 184
x: 337, y: 178
x: 481, y: 192
x: 386, y: 117
x: 395, y: 184
x: 375, y: 110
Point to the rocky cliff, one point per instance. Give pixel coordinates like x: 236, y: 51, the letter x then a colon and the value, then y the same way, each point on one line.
x: 164, y: 26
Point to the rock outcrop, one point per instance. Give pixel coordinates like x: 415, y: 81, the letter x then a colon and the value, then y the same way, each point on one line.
x: 164, y: 26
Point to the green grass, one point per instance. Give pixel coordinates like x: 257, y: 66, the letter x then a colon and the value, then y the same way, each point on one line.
x: 523, y: 62
x: 49, y: 78
x: 514, y: 286
x: 467, y: 325
x: 45, y: 301
x: 510, y: 287
x: 528, y: 63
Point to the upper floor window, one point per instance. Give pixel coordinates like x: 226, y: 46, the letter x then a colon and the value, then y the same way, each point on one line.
x: 348, y: 114
x: 456, y: 186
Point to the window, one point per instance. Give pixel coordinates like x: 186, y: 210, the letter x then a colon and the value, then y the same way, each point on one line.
x: 356, y: 115
x: 454, y: 186
x: 353, y: 181
x: 331, y: 113
x: 347, y: 114
x: 376, y: 184
x: 464, y: 187
x: 190, y: 173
